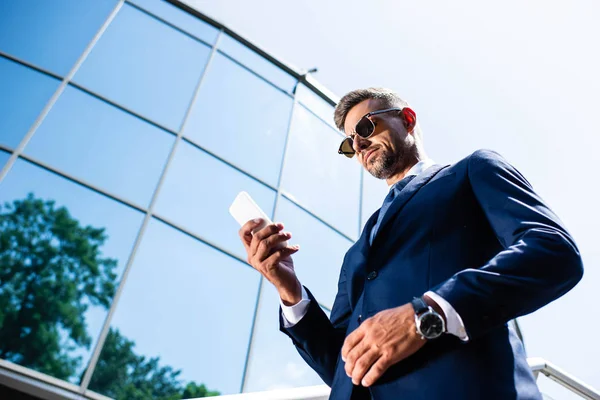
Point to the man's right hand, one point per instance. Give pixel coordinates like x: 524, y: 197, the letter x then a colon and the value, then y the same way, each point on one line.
x: 275, y: 264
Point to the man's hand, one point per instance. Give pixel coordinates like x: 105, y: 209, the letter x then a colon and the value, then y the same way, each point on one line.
x: 381, y: 341
x: 274, y: 263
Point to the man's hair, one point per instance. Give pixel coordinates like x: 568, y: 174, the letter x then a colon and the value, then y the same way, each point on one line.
x: 386, y: 98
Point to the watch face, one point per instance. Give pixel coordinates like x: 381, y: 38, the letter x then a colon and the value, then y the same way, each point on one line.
x: 432, y: 325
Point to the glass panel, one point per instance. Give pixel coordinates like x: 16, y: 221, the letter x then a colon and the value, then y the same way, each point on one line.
x: 241, y: 118
x: 198, y: 191
x: 317, y: 177
x: 257, y: 63
x: 145, y: 65
x: 58, y: 275
x: 183, y: 320
x: 187, y: 22
x: 51, y: 34
x: 23, y: 94
x: 4, y: 156
x: 316, y: 104
x: 99, y: 143
x: 374, y: 192
x: 321, y: 253
x: 274, y: 361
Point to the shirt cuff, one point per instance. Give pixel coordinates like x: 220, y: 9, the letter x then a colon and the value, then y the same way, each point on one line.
x: 454, y: 323
x: 293, y: 314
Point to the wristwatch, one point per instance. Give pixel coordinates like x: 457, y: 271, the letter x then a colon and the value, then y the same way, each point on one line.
x: 430, y: 324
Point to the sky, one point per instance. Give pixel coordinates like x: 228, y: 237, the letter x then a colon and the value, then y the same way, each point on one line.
x: 516, y: 77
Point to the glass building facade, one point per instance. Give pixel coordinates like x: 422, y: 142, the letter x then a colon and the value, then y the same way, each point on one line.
x: 126, y: 130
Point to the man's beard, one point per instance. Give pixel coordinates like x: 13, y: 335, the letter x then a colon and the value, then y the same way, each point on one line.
x: 384, y: 165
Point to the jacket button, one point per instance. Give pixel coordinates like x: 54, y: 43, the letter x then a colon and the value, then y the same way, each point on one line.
x: 359, y: 319
x: 372, y: 275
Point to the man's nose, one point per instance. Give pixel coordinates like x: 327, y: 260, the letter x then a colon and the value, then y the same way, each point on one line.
x: 360, y: 143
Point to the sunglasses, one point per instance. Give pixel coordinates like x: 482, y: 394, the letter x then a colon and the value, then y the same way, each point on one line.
x: 364, y: 128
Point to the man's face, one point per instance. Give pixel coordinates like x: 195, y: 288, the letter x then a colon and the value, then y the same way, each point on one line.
x: 384, y: 152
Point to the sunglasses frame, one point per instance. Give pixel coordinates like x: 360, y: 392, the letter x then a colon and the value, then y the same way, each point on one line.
x: 349, y: 140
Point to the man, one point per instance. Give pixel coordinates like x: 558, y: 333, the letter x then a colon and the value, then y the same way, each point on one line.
x: 425, y: 294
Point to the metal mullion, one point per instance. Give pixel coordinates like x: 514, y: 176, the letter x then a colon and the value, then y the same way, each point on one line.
x: 228, y: 163
x: 122, y: 107
x: 317, y: 217
x: 83, y: 183
x: 30, y: 65
x: 58, y: 92
x: 106, y: 326
x: 262, y: 279
x: 170, y: 24
x: 261, y: 77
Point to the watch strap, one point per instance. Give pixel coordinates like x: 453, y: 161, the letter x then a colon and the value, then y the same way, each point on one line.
x: 419, y: 305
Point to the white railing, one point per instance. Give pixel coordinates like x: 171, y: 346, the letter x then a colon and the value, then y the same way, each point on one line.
x: 537, y: 365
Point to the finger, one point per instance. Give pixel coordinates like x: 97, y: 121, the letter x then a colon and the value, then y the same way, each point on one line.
x: 245, y: 231
x: 376, y: 370
x: 362, y: 365
x: 275, y: 258
x: 268, y: 245
x: 260, y: 235
x: 354, y: 355
x: 352, y: 340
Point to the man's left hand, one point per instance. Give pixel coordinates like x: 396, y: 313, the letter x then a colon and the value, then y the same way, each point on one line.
x: 381, y: 341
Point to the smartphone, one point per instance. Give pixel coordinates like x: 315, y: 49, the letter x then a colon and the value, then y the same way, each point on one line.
x: 244, y: 208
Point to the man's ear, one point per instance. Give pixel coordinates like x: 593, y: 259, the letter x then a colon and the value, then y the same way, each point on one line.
x: 410, y: 118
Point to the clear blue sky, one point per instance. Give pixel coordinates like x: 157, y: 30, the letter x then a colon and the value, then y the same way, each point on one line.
x: 517, y: 77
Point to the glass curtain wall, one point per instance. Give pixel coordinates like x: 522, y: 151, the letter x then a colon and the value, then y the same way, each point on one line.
x: 126, y: 130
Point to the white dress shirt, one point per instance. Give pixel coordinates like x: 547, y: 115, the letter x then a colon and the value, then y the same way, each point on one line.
x: 454, y: 324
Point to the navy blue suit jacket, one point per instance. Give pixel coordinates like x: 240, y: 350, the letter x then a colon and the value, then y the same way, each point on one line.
x: 479, y: 236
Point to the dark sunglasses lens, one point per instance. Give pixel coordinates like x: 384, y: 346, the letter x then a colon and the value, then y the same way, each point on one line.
x: 346, y: 148
x: 364, y: 128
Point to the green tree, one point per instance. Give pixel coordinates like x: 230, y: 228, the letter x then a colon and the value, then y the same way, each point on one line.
x: 124, y: 375
x: 51, y: 271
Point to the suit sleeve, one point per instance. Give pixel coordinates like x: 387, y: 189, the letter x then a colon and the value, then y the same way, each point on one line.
x: 318, y: 338
x: 539, y: 261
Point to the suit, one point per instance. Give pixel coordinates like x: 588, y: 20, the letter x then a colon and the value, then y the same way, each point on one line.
x: 476, y: 234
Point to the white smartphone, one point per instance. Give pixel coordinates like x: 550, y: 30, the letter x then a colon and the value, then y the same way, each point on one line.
x: 244, y: 208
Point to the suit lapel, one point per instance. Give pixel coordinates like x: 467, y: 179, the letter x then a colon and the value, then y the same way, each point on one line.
x: 405, y: 195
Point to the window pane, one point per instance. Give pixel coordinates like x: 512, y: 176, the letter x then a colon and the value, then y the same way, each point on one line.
x: 186, y: 306
x: 321, y: 253
x: 63, y: 276
x: 187, y: 22
x: 317, y: 177
x: 4, y: 156
x: 23, y: 94
x: 51, y: 34
x: 198, y: 191
x: 374, y: 192
x: 241, y: 118
x: 145, y: 65
x: 99, y: 143
x: 316, y: 104
x: 274, y: 361
x: 257, y: 63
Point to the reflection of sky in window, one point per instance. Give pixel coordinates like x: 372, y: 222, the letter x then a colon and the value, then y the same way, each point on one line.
x: 145, y: 65
x: 23, y: 94
x: 316, y: 104
x: 51, y: 34
x: 321, y: 253
x: 198, y: 191
x: 257, y: 63
x: 95, y: 141
x: 190, y: 305
x: 4, y: 156
x: 274, y: 361
x: 187, y: 22
x: 121, y: 223
x: 241, y: 118
x: 317, y: 177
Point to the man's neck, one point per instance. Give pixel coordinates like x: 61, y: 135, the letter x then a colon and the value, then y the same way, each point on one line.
x: 397, y: 177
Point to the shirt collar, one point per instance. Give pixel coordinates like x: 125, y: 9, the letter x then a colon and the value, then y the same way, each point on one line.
x: 419, y: 168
